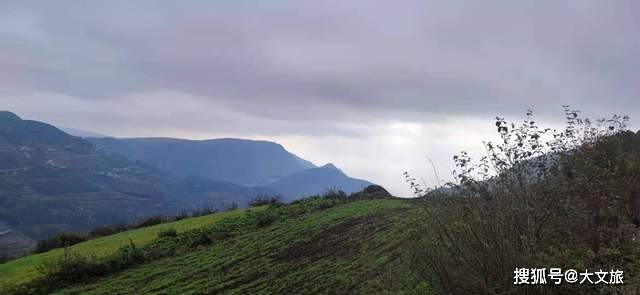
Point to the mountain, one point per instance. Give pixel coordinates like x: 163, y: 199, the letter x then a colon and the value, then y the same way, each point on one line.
x: 245, y: 162
x: 13, y: 243
x: 240, y: 161
x: 316, y: 180
x: 52, y: 181
x: 81, y: 133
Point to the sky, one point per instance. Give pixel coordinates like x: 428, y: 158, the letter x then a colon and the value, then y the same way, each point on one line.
x: 375, y: 87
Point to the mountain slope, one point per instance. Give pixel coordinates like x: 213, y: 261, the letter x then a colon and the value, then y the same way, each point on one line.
x: 24, y: 269
x: 81, y: 133
x: 316, y: 180
x: 315, y: 246
x: 52, y: 181
x: 245, y: 162
x: 13, y: 243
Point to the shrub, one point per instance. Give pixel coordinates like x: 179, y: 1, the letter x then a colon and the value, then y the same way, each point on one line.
x: 126, y: 256
x: 58, y: 241
x: 203, y: 211
x: 153, y: 220
x: 539, y: 198
x: 230, y: 206
x: 102, y: 231
x: 181, y: 216
x: 335, y: 195
x: 265, y: 200
x: 266, y: 217
x: 203, y: 239
x: 73, y: 268
x: 170, y: 232
x: 70, y: 268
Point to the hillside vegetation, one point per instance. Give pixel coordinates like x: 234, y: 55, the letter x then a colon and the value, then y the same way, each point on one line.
x: 26, y: 268
x: 330, y: 244
x: 539, y: 199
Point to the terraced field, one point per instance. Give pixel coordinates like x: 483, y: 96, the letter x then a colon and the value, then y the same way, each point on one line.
x: 14, y: 243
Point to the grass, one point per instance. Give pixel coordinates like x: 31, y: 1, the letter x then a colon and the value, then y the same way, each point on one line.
x: 25, y: 269
x: 357, y: 247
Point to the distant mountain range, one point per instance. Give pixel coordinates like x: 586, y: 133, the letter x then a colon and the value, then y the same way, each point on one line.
x: 244, y: 162
x: 52, y: 181
x: 81, y: 133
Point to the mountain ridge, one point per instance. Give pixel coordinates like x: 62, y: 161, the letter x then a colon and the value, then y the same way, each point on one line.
x: 241, y: 161
x: 51, y: 181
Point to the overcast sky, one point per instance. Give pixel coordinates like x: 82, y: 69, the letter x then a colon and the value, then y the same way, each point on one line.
x: 376, y: 87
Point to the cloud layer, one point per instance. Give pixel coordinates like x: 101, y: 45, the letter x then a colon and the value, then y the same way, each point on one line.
x: 385, y: 77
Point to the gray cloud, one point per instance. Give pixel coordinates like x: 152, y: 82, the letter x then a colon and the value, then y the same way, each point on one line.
x: 408, y: 55
x: 313, y: 68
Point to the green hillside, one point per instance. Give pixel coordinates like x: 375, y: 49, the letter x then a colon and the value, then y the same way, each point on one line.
x: 24, y: 269
x: 319, y: 245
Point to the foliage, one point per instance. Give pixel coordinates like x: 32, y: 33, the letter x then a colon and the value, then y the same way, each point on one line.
x: 152, y: 220
x: 170, y: 232
x: 232, y: 254
x: 229, y: 206
x: 266, y: 217
x: 264, y: 201
x: 539, y: 198
x: 203, y: 211
x: 22, y: 270
x: 306, y: 254
x: 58, y: 241
x: 74, y: 268
x: 65, y: 239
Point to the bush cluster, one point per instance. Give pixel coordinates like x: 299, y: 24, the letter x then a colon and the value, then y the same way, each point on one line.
x: 73, y: 268
x: 539, y: 198
x: 170, y: 232
x: 264, y: 201
x: 65, y: 239
x: 58, y: 241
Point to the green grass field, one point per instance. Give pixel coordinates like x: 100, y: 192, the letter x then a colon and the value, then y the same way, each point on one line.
x: 325, y: 246
x: 24, y: 269
x: 358, y: 247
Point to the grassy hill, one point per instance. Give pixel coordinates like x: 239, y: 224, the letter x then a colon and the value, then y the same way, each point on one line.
x: 24, y: 269
x: 318, y: 245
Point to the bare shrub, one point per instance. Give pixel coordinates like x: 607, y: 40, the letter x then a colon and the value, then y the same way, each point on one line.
x: 539, y: 198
